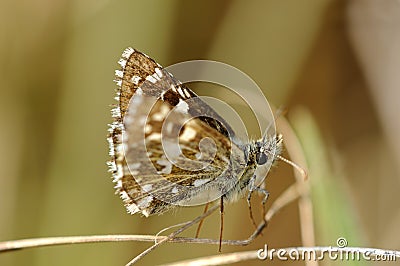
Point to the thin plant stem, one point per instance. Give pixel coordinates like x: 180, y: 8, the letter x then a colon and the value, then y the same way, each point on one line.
x: 288, y: 196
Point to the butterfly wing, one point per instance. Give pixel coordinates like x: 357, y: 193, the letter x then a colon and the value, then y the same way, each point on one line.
x: 168, y: 147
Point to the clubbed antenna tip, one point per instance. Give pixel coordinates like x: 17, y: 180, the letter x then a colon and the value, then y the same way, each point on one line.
x: 297, y: 167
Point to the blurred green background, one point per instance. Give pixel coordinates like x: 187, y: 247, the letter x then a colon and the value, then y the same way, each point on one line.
x: 332, y: 64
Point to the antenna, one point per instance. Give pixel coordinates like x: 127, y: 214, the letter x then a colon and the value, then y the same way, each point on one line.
x: 297, y: 167
x: 279, y: 112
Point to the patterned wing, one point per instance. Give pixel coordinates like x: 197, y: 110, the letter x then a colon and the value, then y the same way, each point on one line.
x: 167, y: 146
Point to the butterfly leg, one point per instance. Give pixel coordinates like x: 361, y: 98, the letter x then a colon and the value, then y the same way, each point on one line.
x: 251, y: 189
x: 250, y: 210
x: 264, y: 200
x: 201, y: 222
x: 221, y: 210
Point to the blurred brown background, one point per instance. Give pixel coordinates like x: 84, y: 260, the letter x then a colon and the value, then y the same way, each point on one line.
x: 333, y: 64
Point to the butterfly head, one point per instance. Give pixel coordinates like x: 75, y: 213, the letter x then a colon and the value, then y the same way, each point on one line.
x: 263, y: 150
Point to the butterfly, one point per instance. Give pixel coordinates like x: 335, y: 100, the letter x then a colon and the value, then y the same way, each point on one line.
x: 169, y: 148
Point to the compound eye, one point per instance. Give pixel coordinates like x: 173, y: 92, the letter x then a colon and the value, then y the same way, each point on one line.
x: 261, y: 158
